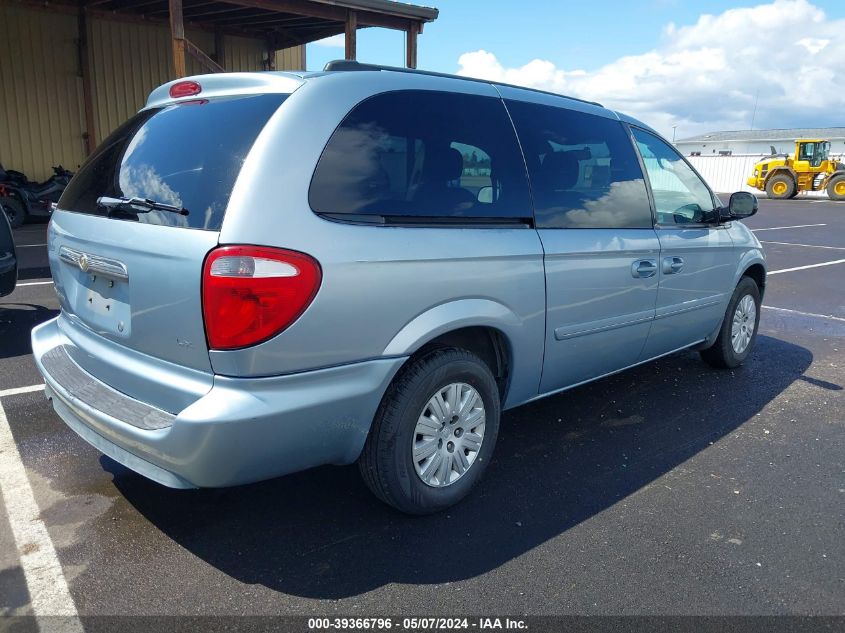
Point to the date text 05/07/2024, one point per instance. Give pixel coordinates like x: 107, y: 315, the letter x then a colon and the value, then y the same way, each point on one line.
x: 415, y: 624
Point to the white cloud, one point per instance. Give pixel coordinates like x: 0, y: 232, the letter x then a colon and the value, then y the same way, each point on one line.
x: 335, y: 41
x: 814, y: 44
x: 706, y: 76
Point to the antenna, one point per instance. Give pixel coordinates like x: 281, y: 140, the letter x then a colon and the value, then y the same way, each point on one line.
x: 754, y: 113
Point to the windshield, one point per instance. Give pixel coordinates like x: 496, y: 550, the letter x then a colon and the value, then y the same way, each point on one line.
x: 184, y: 156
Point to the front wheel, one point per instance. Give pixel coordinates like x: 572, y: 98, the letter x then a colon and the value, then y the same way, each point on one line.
x: 434, y: 432
x: 739, y: 328
x: 780, y: 187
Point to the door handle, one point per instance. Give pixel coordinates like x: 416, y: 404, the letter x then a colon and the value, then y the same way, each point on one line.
x: 644, y: 268
x: 672, y: 265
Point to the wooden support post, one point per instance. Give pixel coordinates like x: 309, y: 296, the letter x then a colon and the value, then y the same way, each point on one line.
x: 89, y: 137
x: 177, y: 38
x: 411, y: 45
x: 351, y: 39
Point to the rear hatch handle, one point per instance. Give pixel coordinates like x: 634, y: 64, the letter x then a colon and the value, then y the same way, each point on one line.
x: 88, y: 263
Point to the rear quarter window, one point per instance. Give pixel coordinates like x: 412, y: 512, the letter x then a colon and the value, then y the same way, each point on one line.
x: 186, y: 155
x: 414, y: 154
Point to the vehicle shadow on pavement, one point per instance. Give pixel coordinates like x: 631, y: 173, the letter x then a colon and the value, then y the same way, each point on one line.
x: 16, y: 322
x: 33, y: 272
x: 559, y: 461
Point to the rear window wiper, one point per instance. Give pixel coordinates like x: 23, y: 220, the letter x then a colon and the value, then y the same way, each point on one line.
x: 138, y: 205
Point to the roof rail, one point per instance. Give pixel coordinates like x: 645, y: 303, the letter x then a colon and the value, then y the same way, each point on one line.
x: 347, y: 65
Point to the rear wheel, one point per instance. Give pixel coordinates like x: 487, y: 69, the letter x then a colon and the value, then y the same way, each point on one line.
x: 739, y: 328
x: 14, y: 211
x: 836, y: 188
x: 434, y: 432
x: 780, y: 187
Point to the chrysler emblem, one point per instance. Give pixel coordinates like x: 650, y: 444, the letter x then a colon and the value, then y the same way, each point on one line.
x: 83, y: 262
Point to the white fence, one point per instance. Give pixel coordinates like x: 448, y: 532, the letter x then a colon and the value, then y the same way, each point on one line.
x: 726, y: 174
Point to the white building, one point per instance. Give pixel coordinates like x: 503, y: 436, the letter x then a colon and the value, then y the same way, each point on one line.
x: 757, y: 142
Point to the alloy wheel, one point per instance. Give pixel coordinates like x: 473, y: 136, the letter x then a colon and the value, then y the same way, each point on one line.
x: 744, y: 321
x: 448, y: 435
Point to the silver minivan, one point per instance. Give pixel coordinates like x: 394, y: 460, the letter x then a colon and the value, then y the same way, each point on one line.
x: 264, y: 272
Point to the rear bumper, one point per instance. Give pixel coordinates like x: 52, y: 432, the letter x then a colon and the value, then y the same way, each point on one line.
x: 242, y: 430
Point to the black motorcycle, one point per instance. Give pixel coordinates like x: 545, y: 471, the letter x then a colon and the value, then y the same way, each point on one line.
x: 21, y: 197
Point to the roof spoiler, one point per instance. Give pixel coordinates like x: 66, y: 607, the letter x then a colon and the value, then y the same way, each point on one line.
x: 226, y: 84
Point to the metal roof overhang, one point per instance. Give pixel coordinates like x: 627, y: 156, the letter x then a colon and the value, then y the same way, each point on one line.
x: 281, y: 23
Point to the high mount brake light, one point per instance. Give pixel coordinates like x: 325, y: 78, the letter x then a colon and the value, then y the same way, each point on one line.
x: 251, y: 293
x: 185, y: 89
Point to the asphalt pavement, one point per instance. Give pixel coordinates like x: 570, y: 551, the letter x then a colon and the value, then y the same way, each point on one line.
x: 672, y: 488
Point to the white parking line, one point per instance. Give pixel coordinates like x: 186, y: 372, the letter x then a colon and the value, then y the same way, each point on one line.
x: 789, y: 270
x: 35, y: 283
x: 777, y: 228
x: 807, y: 314
x: 19, y: 390
x: 48, y: 590
x: 834, y: 248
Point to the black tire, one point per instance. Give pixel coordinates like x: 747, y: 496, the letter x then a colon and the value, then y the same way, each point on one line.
x: 836, y: 187
x: 722, y: 353
x: 387, y: 461
x: 780, y: 187
x: 14, y: 211
x: 794, y: 193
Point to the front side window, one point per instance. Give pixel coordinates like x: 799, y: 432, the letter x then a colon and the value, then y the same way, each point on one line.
x: 583, y: 168
x: 808, y: 151
x: 422, y: 154
x: 680, y: 196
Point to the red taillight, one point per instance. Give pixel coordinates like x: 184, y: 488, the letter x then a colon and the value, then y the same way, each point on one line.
x: 251, y: 293
x: 185, y: 89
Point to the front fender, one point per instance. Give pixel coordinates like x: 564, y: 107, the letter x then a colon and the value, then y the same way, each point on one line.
x: 524, y: 335
x: 746, y: 261
x: 782, y: 170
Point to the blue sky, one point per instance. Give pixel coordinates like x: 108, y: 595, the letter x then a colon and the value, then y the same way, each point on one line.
x: 587, y: 34
x: 564, y: 39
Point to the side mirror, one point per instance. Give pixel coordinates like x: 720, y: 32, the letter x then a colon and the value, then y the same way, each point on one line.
x: 742, y: 205
x: 666, y: 164
x: 485, y: 195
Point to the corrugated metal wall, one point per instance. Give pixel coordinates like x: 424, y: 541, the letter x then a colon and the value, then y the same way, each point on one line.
x: 41, y: 111
x: 129, y: 60
x: 291, y: 58
x: 42, y: 116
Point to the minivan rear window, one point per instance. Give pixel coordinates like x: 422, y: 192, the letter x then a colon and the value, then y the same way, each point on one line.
x: 186, y: 156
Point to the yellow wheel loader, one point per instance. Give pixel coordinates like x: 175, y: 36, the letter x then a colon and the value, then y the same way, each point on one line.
x: 810, y: 168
